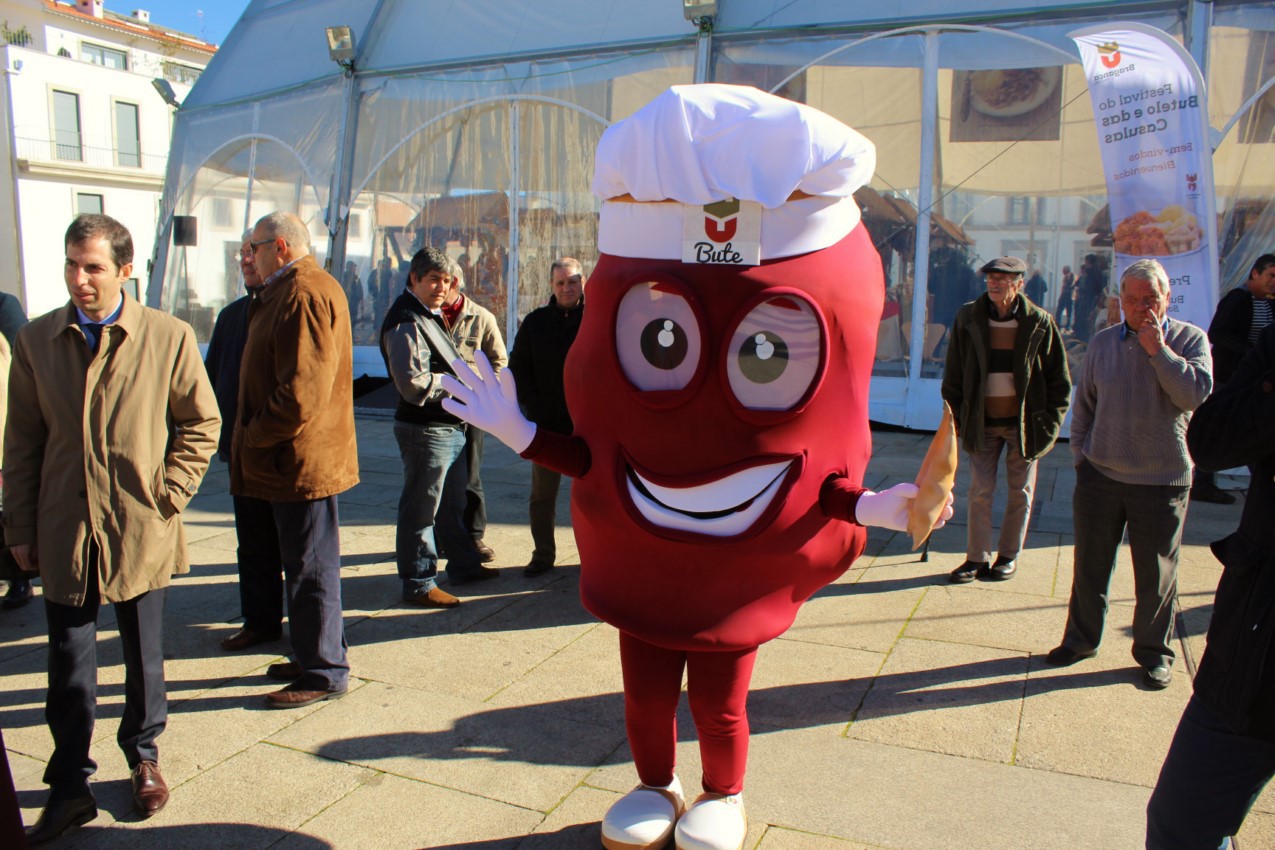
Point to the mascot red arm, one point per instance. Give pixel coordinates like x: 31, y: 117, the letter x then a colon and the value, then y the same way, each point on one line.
x: 719, y: 390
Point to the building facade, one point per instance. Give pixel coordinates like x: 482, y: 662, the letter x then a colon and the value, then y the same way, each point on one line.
x: 86, y: 129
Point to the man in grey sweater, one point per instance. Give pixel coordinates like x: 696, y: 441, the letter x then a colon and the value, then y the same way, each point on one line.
x: 1140, y: 381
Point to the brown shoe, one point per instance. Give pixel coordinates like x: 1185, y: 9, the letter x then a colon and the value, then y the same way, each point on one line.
x: 245, y: 638
x: 60, y: 816
x: 472, y: 576
x: 291, y: 697
x: 486, y: 554
x: 537, y: 568
x: 285, y: 671
x: 150, y: 791
x: 435, y: 597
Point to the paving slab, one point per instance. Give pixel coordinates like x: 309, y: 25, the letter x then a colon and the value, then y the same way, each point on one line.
x: 499, y: 724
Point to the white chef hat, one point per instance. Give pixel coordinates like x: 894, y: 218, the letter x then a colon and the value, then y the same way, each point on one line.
x: 696, y: 145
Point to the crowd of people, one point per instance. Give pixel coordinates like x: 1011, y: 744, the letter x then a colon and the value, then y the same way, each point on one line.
x: 1155, y: 400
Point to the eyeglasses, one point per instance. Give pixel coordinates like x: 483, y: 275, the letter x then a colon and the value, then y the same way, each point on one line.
x: 253, y: 246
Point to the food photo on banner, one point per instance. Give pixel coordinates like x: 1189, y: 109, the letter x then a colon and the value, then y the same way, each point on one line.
x: 1152, y: 122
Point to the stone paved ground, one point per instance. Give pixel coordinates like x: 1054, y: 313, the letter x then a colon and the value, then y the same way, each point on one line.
x: 899, y: 711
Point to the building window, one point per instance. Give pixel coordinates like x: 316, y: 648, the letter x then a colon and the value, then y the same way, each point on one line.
x: 66, y: 126
x: 1018, y: 210
x: 178, y: 73
x: 128, y: 137
x: 104, y: 56
x: 86, y: 203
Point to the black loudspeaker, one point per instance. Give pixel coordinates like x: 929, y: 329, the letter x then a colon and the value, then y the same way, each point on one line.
x: 184, y: 230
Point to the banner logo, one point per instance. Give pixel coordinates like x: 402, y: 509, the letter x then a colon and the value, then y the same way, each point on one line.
x: 721, y: 220
x: 1109, y: 54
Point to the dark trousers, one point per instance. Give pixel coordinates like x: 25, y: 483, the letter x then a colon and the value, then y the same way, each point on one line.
x: 475, y: 501
x: 260, y: 566
x: 1067, y: 308
x: 1210, y: 779
x: 72, y: 699
x: 1154, y: 515
x: 544, y: 512
x: 310, y: 548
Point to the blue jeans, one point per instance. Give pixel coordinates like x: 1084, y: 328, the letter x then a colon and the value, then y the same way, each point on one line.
x: 432, y: 506
x: 1210, y: 779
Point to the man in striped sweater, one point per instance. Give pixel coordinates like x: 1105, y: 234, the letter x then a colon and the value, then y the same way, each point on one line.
x: 1140, y: 382
x: 1007, y: 383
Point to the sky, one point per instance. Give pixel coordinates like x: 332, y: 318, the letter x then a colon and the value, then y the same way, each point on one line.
x: 210, y: 20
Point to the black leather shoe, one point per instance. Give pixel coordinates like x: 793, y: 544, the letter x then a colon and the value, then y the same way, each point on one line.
x: 486, y: 554
x: 1158, y: 677
x: 537, y: 568
x: 59, y: 816
x: 19, y: 593
x: 1212, y: 493
x: 1003, y: 568
x: 480, y: 574
x: 967, y: 571
x: 1065, y: 656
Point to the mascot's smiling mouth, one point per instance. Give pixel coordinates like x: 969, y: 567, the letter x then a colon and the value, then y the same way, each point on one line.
x: 727, y: 505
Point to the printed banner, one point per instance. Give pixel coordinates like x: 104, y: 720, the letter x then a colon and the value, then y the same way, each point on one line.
x: 1152, y: 120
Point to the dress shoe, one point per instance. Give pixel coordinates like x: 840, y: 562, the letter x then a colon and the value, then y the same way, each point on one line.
x: 19, y: 593
x: 285, y: 671
x: 1158, y: 677
x: 245, y: 638
x: 537, y: 568
x: 967, y: 571
x: 1212, y: 493
x: 435, y: 597
x: 1003, y: 568
x: 150, y: 791
x: 1065, y: 656
x: 474, y: 576
x: 713, y: 822
x: 643, y: 818
x: 59, y: 816
x: 486, y: 554
x: 294, y: 697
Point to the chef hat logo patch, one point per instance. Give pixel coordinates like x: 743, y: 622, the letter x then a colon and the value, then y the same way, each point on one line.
x: 722, y: 233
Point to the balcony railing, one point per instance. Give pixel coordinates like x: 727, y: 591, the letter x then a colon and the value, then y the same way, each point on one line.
x: 66, y: 148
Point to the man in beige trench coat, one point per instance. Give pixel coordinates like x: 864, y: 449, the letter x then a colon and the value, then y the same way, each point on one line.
x: 111, y: 426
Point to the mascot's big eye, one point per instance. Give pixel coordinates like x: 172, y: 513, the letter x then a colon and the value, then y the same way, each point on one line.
x: 657, y: 337
x: 774, y: 354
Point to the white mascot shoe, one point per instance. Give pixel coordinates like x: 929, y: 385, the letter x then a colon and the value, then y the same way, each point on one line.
x: 713, y: 822
x: 643, y: 819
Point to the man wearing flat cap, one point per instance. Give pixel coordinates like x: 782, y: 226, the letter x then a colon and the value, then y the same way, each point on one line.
x: 1007, y: 382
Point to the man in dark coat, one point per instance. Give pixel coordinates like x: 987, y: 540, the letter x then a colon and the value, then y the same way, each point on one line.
x: 537, y: 362
x: 1223, y: 753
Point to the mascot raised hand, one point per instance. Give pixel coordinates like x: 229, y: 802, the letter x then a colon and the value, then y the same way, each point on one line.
x: 719, y: 390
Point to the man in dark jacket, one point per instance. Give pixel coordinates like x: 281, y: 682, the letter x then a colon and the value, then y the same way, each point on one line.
x: 1240, y: 317
x: 537, y: 361
x: 1007, y: 383
x: 1223, y: 753
x: 260, y: 565
x: 418, y: 351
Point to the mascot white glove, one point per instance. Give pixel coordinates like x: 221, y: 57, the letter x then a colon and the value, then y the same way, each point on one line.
x: 889, y: 508
x: 488, y: 401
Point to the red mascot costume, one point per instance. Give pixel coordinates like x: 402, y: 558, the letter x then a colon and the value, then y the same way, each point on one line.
x: 719, y: 390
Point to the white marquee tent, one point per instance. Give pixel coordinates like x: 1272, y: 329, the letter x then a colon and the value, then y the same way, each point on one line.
x: 471, y: 126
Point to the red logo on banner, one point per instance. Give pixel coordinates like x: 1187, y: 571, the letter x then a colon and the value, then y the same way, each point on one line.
x: 1192, y: 180
x: 1109, y: 54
